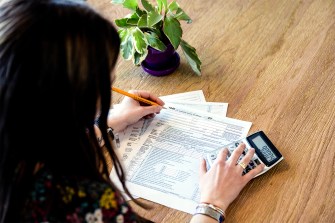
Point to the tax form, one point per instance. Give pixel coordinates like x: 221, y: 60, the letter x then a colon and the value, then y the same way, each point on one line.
x: 212, y: 107
x: 192, y: 99
x: 190, y: 96
x: 164, y: 165
x: 128, y: 139
x: 196, y: 100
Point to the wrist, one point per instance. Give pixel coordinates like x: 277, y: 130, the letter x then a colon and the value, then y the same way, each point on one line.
x: 222, y: 205
x: 211, y: 211
x: 98, y: 129
x: 98, y: 135
x: 117, y: 122
x: 200, y: 218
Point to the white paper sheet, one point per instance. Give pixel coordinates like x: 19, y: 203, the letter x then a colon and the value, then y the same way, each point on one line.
x: 190, y: 96
x: 212, y: 107
x: 185, y: 97
x: 162, y: 166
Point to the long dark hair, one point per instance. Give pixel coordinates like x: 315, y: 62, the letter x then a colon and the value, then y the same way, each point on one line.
x: 56, y: 60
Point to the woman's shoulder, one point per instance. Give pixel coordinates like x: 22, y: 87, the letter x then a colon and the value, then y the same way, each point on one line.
x: 74, y: 199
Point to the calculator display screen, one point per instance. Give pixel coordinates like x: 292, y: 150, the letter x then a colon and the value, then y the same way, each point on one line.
x: 268, y: 154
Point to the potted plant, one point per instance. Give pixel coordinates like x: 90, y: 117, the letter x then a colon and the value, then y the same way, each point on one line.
x: 151, y: 34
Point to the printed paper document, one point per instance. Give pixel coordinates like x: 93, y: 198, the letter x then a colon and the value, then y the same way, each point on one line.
x: 161, y: 156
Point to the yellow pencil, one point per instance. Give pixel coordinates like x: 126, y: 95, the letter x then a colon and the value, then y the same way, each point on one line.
x: 135, y: 97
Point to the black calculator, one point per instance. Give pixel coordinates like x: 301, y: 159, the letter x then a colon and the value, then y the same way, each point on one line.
x: 265, y: 152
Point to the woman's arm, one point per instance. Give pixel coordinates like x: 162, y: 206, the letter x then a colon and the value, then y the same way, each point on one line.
x: 220, y: 185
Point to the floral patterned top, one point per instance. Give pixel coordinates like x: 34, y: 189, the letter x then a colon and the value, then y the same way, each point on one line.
x: 73, y: 200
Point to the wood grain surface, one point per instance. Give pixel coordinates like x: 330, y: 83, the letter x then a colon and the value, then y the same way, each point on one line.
x: 274, y: 63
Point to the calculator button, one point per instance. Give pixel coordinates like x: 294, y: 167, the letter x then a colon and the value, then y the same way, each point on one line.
x: 231, y: 148
x: 213, y: 156
x: 257, y: 161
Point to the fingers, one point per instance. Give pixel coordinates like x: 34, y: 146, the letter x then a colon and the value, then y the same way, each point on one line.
x: 147, y: 95
x: 246, y: 159
x: 252, y: 173
x: 237, y: 153
x: 203, y: 168
x: 149, y: 111
x: 222, y: 156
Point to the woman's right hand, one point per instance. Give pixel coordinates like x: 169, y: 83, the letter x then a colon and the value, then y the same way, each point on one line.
x: 130, y: 111
x: 221, y: 184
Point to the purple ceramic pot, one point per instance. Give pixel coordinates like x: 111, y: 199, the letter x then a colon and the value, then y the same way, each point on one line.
x: 158, y: 63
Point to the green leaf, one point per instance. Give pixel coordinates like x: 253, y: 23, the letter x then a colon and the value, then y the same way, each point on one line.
x: 117, y: 1
x: 138, y: 58
x: 154, y: 18
x: 126, y: 22
x: 181, y: 15
x: 132, y: 21
x: 139, y: 40
x: 173, y: 6
x: 139, y: 12
x: 127, y: 48
x: 162, y: 5
x: 155, y: 42
x: 158, y: 33
x: 147, y: 6
x: 122, y: 23
x: 172, y: 30
x: 143, y: 22
x: 134, y: 15
x: 130, y: 4
x: 123, y: 34
x: 191, y: 56
x: 176, y: 12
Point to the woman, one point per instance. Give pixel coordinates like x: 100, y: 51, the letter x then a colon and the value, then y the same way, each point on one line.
x: 56, y: 62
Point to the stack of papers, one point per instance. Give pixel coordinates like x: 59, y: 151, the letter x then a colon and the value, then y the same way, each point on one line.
x: 161, y: 156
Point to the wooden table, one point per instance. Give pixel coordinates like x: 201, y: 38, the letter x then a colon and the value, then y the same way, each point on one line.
x: 274, y: 63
